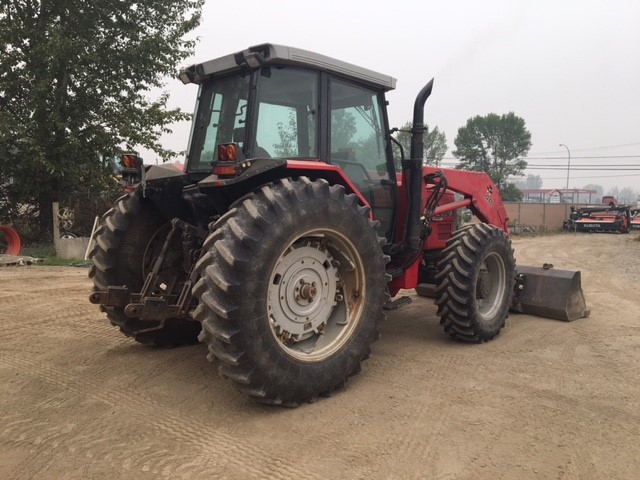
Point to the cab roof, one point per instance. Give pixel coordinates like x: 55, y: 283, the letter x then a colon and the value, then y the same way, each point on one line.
x: 271, y: 54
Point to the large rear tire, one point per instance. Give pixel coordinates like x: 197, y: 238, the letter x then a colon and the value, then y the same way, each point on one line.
x: 130, y: 237
x: 475, y: 283
x: 291, y: 290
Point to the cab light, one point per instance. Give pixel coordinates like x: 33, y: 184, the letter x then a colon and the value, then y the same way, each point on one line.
x: 223, y: 153
x: 230, y: 152
x: 225, y: 170
x: 131, y: 161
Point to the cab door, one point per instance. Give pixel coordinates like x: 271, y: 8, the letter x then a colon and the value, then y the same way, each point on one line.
x: 358, y: 143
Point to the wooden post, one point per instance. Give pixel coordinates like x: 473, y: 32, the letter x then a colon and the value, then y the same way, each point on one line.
x: 56, y: 226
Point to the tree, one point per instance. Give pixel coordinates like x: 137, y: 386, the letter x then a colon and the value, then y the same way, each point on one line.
x: 343, y: 127
x: 530, y: 182
x: 627, y: 196
x: 595, y: 198
x: 494, y: 144
x: 288, y: 145
x: 74, y: 81
x: 533, y: 182
x: 614, y: 192
x: 435, y: 144
x: 511, y: 193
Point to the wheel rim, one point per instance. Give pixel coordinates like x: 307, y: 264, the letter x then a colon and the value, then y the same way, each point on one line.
x: 315, y: 295
x: 491, y: 286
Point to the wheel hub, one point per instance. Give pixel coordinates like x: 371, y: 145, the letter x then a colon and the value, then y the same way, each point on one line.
x: 302, y: 292
x: 307, y: 291
x: 484, y: 285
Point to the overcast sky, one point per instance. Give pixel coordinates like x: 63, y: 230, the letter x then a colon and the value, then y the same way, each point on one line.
x: 570, y: 68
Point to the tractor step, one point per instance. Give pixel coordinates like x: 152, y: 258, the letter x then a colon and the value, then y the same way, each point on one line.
x: 426, y: 290
x: 397, y: 303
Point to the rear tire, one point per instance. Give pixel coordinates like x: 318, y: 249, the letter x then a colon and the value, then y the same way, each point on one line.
x: 291, y: 289
x: 476, y: 280
x: 127, y: 242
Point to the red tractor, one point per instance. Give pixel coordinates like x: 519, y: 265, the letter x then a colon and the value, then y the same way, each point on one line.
x: 283, y: 241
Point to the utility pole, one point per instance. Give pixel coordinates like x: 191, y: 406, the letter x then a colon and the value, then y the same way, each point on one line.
x: 568, y: 164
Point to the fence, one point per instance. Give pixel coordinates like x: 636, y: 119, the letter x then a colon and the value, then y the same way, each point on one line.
x: 540, y: 216
x: 74, y: 218
x: 78, y: 210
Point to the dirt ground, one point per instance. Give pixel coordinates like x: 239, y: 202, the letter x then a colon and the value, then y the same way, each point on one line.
x: 546, y: 399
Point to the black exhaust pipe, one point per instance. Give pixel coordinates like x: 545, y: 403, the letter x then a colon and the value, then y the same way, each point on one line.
x: 413, y: 167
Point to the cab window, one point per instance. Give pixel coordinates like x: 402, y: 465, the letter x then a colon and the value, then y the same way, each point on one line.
x: 287, y: 113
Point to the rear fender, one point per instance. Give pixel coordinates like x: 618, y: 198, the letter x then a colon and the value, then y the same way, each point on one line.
x: 332, y: 173
x: 262, y: 172
x: 163, y: 185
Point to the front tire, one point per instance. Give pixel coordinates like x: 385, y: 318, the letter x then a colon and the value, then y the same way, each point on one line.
x: 128, y: 240
x: 475, y: 285
x: 291, y: 290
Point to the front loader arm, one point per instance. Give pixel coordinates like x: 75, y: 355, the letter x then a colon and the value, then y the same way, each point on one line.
x: 481, y: 195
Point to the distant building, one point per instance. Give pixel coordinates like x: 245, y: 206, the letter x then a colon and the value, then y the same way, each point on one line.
x: 560, y: 195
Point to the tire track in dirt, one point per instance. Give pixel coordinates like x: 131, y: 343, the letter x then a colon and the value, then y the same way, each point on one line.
x: 43, y: 437
x: 403, y: 443
x: 625, y: 419
x: 69, y: 319
x: 438, y: 363
x: 208, y: 441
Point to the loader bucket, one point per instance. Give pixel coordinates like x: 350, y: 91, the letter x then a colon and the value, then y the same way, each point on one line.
x: 548, y: 292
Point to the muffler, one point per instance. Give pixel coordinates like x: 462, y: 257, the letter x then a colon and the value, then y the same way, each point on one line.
x: 548, y: 292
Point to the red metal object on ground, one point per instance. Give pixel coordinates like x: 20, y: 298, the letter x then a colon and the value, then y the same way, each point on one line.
x: 14, y: 243
x: 635, y: 219
x: 600, y: 219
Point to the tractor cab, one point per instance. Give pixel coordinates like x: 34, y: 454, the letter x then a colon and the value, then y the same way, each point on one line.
x: 271, y: 105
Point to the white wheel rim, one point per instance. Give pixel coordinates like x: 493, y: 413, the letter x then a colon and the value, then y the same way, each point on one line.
x: 490, y: 290
x: 316, y: 295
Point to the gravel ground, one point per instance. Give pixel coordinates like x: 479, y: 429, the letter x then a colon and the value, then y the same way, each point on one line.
x: 545, y: 399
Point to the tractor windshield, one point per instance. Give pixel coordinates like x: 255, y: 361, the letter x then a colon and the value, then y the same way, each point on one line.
x: 220, y: 118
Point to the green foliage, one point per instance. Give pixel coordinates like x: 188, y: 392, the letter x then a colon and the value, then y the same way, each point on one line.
x: 493, y: 144
x: 74, y: 81
x: 288, y: 146
x: 511, y: 193
x: 39, y: 250
x: 435, y: 145
x: 343, y: 128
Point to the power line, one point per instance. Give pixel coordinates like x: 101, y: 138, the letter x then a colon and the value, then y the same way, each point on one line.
x: 583, y: 157
x: 597, y: 176
x: 600, y: 157
x: 593, y: 148
x: 596, y: 165
x: 536, y: 167
x: 614, y: 167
